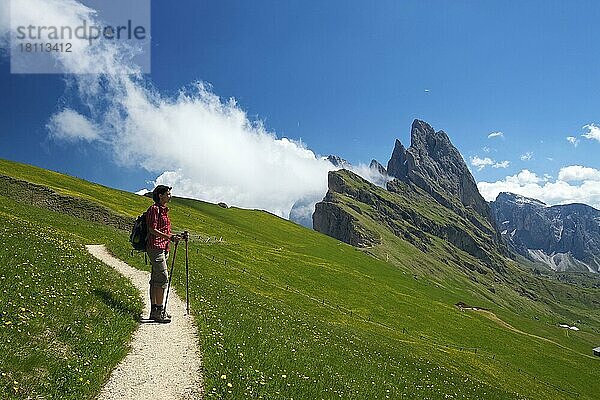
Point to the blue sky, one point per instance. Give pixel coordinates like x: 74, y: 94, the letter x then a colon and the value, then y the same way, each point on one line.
x: 348, y: 77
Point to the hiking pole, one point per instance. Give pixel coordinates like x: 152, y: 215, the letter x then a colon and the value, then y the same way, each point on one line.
x: 170, y: 279
x: 186, y: 236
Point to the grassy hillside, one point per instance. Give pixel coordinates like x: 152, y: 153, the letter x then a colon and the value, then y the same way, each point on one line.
x: 285, y: 312
x: 65, y: 318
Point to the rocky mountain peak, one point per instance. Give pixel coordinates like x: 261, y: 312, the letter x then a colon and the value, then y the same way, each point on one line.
x: 424, y: 137
x: 338, y: 161
x: 518, y: 200
x: 396, y: 167
x: 564, y: 237
x: 378, y: 167
x: 436, y: 166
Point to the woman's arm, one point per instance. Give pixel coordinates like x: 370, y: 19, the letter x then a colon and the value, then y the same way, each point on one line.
x: 158, y: 233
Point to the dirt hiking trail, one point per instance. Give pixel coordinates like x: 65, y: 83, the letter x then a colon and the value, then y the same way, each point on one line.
x: 164, y: 361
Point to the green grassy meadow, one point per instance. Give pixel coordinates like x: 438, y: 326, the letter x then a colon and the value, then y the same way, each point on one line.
x: 65, y: 318
x: 282, y: 311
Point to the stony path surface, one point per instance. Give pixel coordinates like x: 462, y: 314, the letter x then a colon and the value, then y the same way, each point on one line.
x: 164, y: 361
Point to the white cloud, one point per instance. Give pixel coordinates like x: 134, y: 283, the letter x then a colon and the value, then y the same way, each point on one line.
x: 71, y: 126
x: 525, y: 177
x: 592, y: 133
x: 212, y: 151
x: 106, y: 56
x: 527, y: 156
x: 495, y: 134
x: 4, y: 17
x: 370, y: 174
x: 481, y: 163
x: 575, y: 173
x: 573, y: 140
x: 203, y: 146
x: 503, y: 164
x: 527, y: 183
x: 486, y: 149
x: 4, y: 23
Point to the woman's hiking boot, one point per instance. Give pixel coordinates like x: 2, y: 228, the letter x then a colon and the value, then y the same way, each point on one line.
x: 157, y: 314
x: 153, y: 312
x: 161, y: 315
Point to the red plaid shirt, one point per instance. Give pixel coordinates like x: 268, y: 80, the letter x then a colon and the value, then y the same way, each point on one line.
x: 159, y: 220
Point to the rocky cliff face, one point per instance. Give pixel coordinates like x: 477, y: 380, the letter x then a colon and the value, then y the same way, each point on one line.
x: 433, y: 195
x: 333, y: 218
x: 407, y: 212
x: 302, y: 210
x: 436, y: 166
x: 337, y: 161
x: 378, y: 167
x: 564, y: 237
x: 398, y: 166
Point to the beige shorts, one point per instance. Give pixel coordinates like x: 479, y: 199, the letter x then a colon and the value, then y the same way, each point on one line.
x: 159, y: 276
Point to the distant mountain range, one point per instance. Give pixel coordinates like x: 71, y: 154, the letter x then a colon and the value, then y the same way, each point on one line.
x: 562, y: 237
x: 431, y: 193
x: 432, y: 202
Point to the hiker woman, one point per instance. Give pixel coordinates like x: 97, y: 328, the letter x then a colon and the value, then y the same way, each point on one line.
x: 157, y: 247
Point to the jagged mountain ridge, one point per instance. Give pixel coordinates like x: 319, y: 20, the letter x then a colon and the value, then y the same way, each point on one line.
x: 302, y: 210
x: 563, y: 237
x: 376, y: 165
x: 338, y: 161
x: 436, y: 166
x: 432, y: 195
